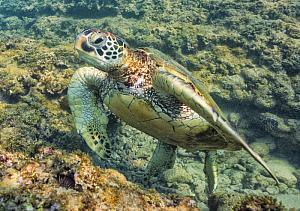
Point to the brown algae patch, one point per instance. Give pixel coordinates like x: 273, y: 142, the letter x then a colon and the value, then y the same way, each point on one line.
x: 33, y: 180
x: 28, y: 63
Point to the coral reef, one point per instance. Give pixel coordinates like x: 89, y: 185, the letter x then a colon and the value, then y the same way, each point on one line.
x: 246, y: 52
x: 244, y: 202
x: 56, y: 180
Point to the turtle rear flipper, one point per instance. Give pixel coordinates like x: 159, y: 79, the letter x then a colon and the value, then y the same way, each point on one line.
x: 162, y: 159
x: 90, y: 118
x: 211, y: 170
x: 184, y: 89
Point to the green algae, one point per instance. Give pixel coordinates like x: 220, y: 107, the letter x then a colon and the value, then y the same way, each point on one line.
x: 37, y: 183
x: 247, y: 53
x: 244, y: 202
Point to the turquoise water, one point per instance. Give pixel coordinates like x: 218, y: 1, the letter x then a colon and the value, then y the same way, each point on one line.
x: 246, y: 53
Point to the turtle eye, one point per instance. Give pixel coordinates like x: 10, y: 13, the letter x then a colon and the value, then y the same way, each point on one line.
x: 97, y: 40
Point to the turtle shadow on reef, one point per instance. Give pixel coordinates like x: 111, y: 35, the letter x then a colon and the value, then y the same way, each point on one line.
x: 35, y: 121
x: 123, y: 157
x: 133, y: 174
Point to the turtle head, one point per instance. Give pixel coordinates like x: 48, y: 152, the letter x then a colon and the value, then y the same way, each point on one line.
x: 101, y: 49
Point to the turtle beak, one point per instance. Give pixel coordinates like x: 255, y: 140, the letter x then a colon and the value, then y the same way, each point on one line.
x: 85, y: 51
x: 81, y: 44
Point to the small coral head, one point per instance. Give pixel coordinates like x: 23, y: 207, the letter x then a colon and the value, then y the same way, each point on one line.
x: 101, y: 49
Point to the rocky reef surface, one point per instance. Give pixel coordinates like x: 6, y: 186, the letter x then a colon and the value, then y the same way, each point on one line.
x: 56, y: 180
x: 247, y: 53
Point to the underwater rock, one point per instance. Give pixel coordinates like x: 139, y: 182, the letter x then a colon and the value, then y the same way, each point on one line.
x: 237, y: 88
x: 225, y: 201
x: 290, y: 201
x: 281, y: 128
x: 11, y: 23
x: 28, y: 65
x: 272, y: 190
x: 260, y: 147
x: 54, y: 82
x: 177, y: 175
x: 247, y: 52
x: 42, y: 182
x: 284, y: 171
x: 236, y: 178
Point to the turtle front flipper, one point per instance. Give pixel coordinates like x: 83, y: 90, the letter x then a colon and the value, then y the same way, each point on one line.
x: 90, y: 118
x: 162, y: 159
x: 211, y: 170
x: 186, y: 89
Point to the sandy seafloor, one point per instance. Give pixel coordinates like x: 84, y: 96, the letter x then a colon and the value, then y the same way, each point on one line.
x: 246, y: 52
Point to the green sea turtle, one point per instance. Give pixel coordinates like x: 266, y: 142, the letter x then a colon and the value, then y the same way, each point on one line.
x: 151, y: 92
